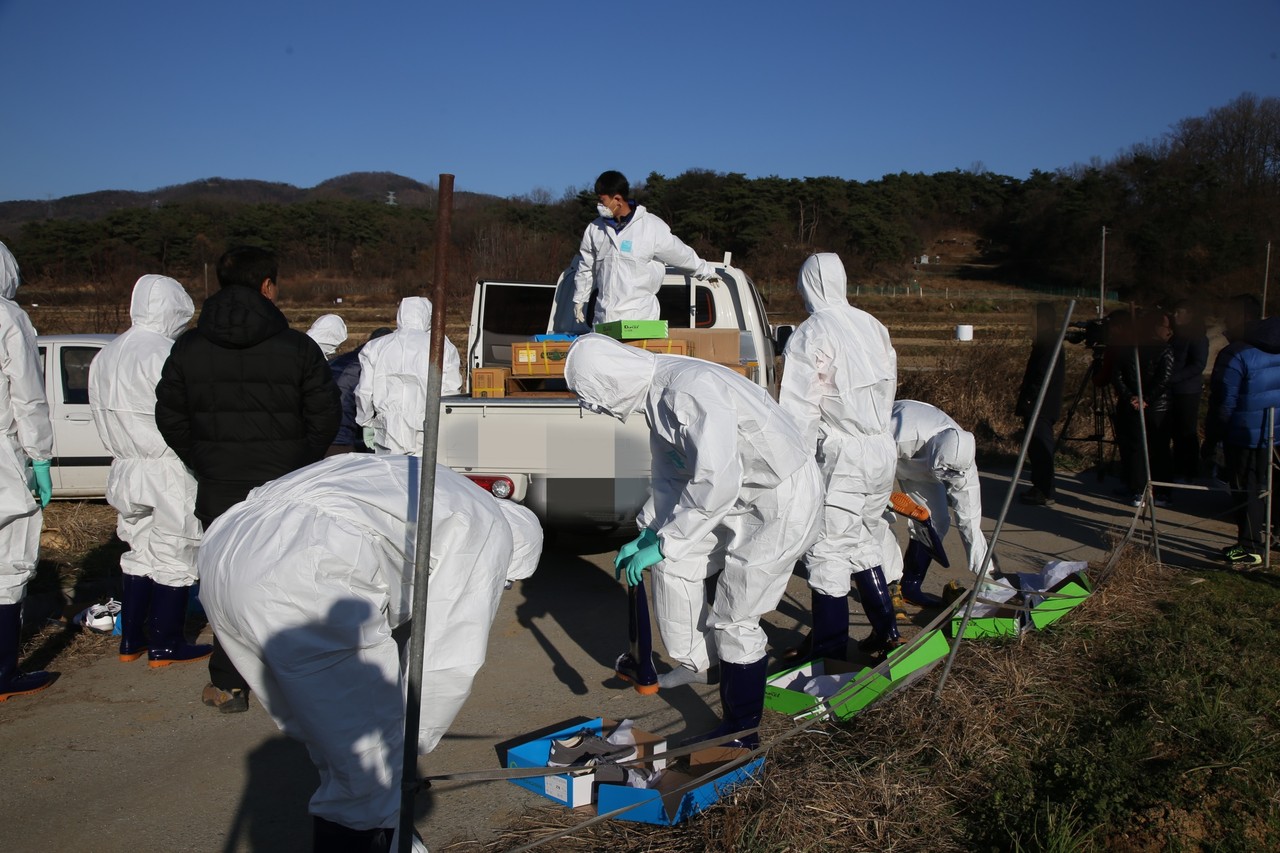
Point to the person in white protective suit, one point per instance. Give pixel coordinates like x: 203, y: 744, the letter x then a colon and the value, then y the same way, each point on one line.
x: 937, y: 470
x: 26, y: 446
x: 617, y: 253
x: 304, y: 582
x: 149, y: 486
x: 330, y: 332
x: 391, y: 396
x: 734, y: 490
x: 839, y: 383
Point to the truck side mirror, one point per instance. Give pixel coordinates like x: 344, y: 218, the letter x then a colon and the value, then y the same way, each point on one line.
x: 782, y: 334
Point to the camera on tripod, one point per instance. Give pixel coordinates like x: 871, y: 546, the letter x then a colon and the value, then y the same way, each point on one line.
x: 1094, y: 334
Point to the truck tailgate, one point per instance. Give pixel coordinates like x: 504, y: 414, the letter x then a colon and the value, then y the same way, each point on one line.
x: 554, y: 438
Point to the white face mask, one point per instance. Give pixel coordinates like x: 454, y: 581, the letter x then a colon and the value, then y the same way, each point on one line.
x: 604, y: 212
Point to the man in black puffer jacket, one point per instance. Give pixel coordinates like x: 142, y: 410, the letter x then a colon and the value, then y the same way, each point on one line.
x: 243, y: 399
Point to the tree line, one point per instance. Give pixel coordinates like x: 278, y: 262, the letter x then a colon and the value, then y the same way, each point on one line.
x: 1187, y: 213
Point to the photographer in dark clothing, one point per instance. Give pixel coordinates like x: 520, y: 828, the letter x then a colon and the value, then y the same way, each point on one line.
x: 1190, y: 357
x: 1152, y: 359
x: 1040, y: 451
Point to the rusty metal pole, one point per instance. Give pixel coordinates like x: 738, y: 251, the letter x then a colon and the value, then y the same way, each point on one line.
x: 409, y: 783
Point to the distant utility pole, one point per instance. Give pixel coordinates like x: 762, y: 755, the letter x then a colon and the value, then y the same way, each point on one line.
x: 391, y: 198
x: 1102, y: 278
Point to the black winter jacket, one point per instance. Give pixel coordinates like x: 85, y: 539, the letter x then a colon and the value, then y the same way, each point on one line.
x: 243, y: 399
x: 1156, y: 362
x: 1190, y: 358
x: 1034, y: 376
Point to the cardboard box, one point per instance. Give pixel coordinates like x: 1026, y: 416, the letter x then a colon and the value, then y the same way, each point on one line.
x: 628, y: 330
x: 489, y: 381
x: 668, y: 346
x: 848, y: 690
x: 574, y: 787
x: 913, y: 660
x: 723, y: 346
x: 539, y: 358
x: 708, y: 772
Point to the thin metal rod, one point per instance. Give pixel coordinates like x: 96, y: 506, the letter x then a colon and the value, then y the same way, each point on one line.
x: 1008, y: 500
x: 1271, y: 462
x: 1102, y: 276
x: 1148, y: 491
x: 426, y: 509
x: 1266, y: 279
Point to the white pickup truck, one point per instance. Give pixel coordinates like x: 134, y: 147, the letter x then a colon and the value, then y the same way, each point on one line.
x: 572, y: 467
x: 80, y: 462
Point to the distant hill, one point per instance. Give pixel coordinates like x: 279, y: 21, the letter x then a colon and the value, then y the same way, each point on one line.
x: 361, y: 186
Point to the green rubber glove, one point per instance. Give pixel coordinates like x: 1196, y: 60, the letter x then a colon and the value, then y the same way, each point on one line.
x: 368, y: 434
x: 644, y: 558
x: 44, y: 484
x: 646, y: 537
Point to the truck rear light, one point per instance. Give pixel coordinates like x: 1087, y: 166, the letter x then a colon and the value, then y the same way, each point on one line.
x: 499, y: 487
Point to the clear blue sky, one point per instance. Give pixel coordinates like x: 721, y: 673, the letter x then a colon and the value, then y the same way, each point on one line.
x: 513, y: 96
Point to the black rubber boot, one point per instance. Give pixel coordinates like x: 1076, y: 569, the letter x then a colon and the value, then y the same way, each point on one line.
x: 741, y: 702
x: 878, y: 606
x: 168, y: 644
x: 330, y: 837
x: 13, y: 683
x: 135, y: 608
x: 915, y: 565
x: 829, y: 637
x: 636, y: 665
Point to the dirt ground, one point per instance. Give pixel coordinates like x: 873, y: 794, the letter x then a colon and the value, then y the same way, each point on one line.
x: 141, y: 765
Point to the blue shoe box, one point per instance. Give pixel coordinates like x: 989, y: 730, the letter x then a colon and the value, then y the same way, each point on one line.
x: 681, y: 795
x: 677, y: 796
x: 573, y: 789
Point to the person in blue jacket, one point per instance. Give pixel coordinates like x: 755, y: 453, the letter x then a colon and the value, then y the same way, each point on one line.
x: 1250, y: 389
x: 346, y: 375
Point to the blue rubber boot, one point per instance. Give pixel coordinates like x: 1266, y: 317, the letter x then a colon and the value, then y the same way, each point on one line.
x: 915, y: 565
x: 13, y: 683
x: 829, y: 637
x: 878, y: 606
x: 168, y: 645
x: 135, y: 608
x: 636, y: 665
x: 741, y: 702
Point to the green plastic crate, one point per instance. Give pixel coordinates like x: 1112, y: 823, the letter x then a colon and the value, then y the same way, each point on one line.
x: 861, y: 690
x: 1076, y: 587
x: 631, y: 330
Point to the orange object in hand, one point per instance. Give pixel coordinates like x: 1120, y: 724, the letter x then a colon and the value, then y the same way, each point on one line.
x: 904, y: 506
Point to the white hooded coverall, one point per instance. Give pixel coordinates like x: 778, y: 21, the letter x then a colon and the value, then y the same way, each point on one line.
x: 734, y: 490
x: 619, y: 264
x: 304, y: 582
x: 148, y: 486
x: 391, y: 396
x: 330, y: 332
x: 25, y: 434
x: 936, y: 469
x: 840, y: 378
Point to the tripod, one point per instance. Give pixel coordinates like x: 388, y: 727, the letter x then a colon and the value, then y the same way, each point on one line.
x: 1102, y: 404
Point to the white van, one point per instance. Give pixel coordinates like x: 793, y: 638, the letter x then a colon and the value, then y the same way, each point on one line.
x: 80, y: 462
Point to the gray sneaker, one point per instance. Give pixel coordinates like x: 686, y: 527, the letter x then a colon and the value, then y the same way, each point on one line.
x: 585, y: 749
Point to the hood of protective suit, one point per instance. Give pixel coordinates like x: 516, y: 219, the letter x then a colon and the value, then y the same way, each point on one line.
x: 329, y: 331
x: 823, y: 283
x: 160, y: 304
x: 414, y: 313
x: 8, y: 273
x: 950, y: 453
x: 609, y: 377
